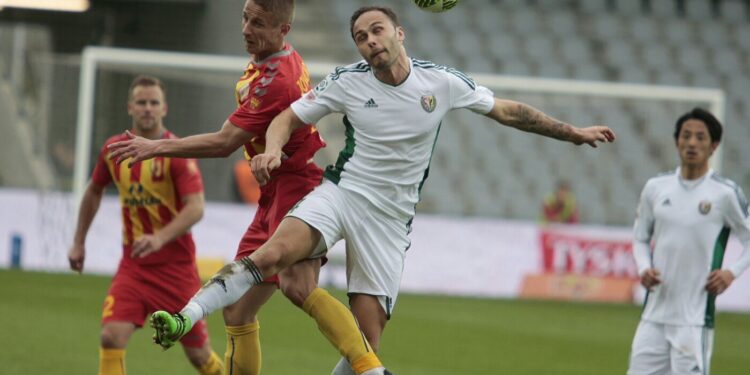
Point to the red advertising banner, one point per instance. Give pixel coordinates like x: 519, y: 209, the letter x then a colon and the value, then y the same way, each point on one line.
x: 579, y: 254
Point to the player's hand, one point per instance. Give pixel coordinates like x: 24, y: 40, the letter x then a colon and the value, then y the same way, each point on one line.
x: 719, y: 281
x: 594, y: 134
x: 146, y: 245
x: 135, y: 147
x: 650, y: 278
x: 76, y: 256
x: 263, y: 164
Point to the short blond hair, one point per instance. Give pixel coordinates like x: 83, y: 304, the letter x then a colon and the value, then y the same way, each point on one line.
x: 144, y: 80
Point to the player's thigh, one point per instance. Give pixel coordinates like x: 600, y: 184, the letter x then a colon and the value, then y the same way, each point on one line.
x: 246, y: 309
x: 649, y: 354
x: 690, y: 349
x: 370, y: 315
x: 376, y: 245
x: 116, y: 334
x: 299, y: 280
x: 320, y: 212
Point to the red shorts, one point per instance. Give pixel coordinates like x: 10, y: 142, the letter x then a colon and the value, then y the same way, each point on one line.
x: 137, y: 291
x: 277, y: 197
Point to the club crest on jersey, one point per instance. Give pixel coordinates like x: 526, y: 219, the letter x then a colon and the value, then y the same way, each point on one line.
x: 428, y: 103
x: 254, y: 103
x: 704, y: 207
x: 322, y: 86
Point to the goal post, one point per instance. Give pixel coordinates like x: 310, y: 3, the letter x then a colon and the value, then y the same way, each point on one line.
x: 478, y: 169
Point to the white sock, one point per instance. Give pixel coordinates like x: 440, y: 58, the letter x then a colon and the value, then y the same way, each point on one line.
x: 224, y: 289
x: 343, y: 368
x: 375, y: 371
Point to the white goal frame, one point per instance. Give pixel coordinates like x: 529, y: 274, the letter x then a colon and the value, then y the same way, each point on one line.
x: 93, y: 57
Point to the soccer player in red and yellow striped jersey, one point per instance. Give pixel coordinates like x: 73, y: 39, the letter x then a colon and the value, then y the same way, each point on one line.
x: 161, y: 199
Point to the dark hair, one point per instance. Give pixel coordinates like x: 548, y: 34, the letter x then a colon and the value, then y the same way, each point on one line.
x: 144, y: 80
x: 283, y: 10
x: 385, y: 10
x: 712, y: 123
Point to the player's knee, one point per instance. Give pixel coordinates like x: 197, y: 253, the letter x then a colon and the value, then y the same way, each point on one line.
x: 296, y: 290
x: 199, y: 357
x: 111, y: 339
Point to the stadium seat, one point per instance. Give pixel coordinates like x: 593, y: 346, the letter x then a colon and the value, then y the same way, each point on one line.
x: 677, y: 31
x: 643, y: 29
x: 714, y: 34
x: 633, y: 74
x: 663, y: 8
x: 562, y: 24
x: 539, y: 47
x: 574, y: 50
x: 733, y: 11
x: 693, y: 60
x: 657, y: 56
x: 698, y: 10
x: 621, y: 53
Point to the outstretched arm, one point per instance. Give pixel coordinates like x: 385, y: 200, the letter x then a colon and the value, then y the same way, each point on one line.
x: 277, y: 136
x: 527, y: 118
x: 208, y: 145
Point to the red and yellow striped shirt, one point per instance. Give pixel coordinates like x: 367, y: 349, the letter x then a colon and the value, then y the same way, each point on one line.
x: 151, y: 196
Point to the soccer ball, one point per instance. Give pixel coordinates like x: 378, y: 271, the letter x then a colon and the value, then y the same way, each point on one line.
x: 435, y: 6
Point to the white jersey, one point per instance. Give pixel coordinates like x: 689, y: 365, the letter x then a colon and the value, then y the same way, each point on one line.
x: 689, y: 224
x: 390, y: 130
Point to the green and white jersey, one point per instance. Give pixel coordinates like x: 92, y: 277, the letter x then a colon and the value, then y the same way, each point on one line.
x: 688, y: 225
x: 390, y: 130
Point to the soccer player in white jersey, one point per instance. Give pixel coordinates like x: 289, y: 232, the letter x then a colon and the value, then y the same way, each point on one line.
x: 393, y: 106
x: 687, y: 215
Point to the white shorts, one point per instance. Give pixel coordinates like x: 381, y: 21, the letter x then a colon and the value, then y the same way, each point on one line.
x: 376, y: 242
x: 665, y: 349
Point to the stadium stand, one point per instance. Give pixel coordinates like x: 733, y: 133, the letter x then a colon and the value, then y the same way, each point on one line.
x: 693, y: 43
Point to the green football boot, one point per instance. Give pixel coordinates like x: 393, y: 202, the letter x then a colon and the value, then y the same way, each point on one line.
x: 169, y: 328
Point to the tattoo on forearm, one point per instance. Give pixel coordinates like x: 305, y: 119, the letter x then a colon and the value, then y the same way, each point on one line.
x: 526, y: 118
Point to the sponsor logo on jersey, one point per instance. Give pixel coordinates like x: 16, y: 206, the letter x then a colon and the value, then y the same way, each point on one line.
x: 428, y: 102
x: 704, y: 207
x: 371, y: 103
x: 666, y: 202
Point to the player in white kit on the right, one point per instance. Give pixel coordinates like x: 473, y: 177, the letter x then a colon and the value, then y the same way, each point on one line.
x: 687, y: 214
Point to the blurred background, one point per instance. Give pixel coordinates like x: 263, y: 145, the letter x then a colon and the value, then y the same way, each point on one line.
x: 507, y: 208
x: 688, y: 43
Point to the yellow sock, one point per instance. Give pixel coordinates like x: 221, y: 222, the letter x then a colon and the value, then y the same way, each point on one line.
x: 111, y: 361
x: 213, y: 366
x: 339, y: 327
x: 243, y: 355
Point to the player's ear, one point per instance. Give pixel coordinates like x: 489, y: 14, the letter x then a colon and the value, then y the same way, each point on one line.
x: 401, y: 34
x: 166, y: 108
x: 285, y: 28
x: 714, y: 146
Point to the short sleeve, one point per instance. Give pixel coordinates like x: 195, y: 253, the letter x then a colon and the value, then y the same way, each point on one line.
x: 465, y: 93
x: 186, y: 176
x: 101, y: 175
x: 256, y: 113
x: 325, y: 98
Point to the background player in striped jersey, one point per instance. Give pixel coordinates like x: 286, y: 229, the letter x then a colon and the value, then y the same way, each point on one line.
x: 161, y: 199
x: 680, y: 234
x: 275, y: 77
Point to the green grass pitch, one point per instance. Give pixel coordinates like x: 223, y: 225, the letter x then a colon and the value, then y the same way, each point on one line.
x: 51, y: 326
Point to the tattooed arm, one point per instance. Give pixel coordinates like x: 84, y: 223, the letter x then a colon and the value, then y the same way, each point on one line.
x: 527, y: 118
